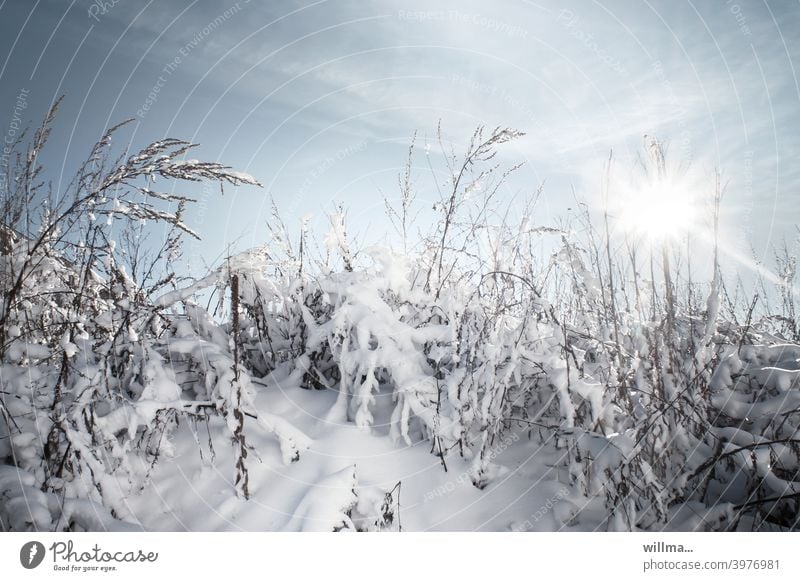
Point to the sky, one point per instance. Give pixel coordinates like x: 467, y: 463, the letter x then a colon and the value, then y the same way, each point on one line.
x: 319, y: 100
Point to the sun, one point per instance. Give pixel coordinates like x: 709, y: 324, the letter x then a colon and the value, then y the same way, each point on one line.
x: 666, y: 209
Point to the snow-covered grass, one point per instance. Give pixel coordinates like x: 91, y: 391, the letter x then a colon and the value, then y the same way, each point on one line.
x: 494, y: 375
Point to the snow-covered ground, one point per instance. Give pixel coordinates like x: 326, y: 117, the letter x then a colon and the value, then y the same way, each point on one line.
x: 192, y: 493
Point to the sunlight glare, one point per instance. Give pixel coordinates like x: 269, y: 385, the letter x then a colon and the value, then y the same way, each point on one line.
x: 660, y: 211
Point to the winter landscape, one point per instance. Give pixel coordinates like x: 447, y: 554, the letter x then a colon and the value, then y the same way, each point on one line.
x: 465, y: 354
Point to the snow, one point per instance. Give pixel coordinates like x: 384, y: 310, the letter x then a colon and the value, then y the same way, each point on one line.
x: 326, y: 505
x: 345, y: 390
x: 316, y: 493
x: 172, y: 297
x: 25, y: 507
x: 243, y: 177
x: 70, y: 349
x: 336, y: 238
x: 414, y: 428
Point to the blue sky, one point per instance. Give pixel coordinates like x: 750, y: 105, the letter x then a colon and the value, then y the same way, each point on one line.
x: 319, y: 100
